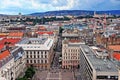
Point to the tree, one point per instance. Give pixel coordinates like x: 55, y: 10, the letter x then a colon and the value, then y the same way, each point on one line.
x: 30, y: 72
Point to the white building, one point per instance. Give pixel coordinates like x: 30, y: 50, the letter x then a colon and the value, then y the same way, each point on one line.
x: 38, y: 51
x: 95, y: 65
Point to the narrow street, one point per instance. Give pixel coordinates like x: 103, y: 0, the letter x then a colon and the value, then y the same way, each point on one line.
x: 55, y: 72
x: 58, y: 50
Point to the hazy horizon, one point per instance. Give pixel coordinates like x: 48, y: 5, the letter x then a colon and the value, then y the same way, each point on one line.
x: 13, y: 7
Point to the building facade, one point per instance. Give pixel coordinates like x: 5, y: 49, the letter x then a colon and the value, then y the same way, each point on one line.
x: 95, y: 65
x: 6, y: 65
x: 38, y: 52
x: 70, y: 53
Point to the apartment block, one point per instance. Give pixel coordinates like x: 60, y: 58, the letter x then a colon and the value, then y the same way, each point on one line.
x: 38, y: 52
x: 95, y: 65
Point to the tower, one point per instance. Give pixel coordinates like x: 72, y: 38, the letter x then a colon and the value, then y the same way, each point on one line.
x: 20, y: 15
x: 104, y: 22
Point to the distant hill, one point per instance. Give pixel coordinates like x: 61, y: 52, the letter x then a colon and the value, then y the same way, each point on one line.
x: 74, y: 12
x: 3, y: 15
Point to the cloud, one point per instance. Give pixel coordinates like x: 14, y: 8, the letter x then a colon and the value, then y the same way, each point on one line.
x: 8, y: 3
x: 64, y: 5
x: 30, y: 6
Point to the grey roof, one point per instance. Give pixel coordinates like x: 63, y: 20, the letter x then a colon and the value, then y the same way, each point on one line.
x: 74, y: 45
x: 17, y: 52
x: 33, y: 41
x: 101, y: 65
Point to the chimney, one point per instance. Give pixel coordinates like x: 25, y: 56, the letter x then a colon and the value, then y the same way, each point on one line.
x: 7, y: 45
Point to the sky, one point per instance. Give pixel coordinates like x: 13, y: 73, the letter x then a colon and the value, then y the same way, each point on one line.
x: 32, y: 6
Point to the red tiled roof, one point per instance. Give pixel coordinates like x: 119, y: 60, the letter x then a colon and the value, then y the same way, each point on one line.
x: 45, y: 32
x: 2, y: 36
x: 42, y: 28
x: 4, y: 54
x: 1, y: 46
x: 116, y: 56
x: 114, y: 47
x: 12, y: 41
x: 15, y: 34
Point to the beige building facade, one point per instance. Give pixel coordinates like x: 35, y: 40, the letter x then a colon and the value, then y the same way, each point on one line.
x: 70, y: 54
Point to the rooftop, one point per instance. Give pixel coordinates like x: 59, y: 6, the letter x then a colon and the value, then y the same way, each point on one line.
x: 5, y: 57
x: 17, y: 52
x: 4, y: 54
x: 70, y: 33
x: 114, y: 47
x: 36, y: 43
x: 116, y: 55
x: 33, y: 41
x: 74, y: 41
x: 1, y: 47
x: 100, y: 65
x: 16, y: 34
x: 3, y: 35
x: 12, y: 41
x: 42, y: 28
x: 45, y: 32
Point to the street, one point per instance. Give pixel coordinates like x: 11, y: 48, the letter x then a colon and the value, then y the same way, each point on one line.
x: 55, y: 73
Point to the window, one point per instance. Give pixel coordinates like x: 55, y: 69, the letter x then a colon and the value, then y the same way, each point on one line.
x: 45, y: 52
x: 45, y: 56
x: 34, y: 52
x: 38, y: 52
x: 45, y: 61
x: 41, y: 53
x: 27, y: 61
x: 38, y: 56
x: 41, y: 61
x: 34, y: 61
x: 41, y: 56
x: 38, y: 61
x: 30, y: 56
x: 30, y: 61
x: 34, y: 56
x: 26, y: 52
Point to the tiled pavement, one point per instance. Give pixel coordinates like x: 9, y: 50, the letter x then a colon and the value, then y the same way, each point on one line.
x: 54, y: 75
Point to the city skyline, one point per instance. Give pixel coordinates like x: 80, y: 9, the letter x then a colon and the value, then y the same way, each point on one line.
x: 31, y: 6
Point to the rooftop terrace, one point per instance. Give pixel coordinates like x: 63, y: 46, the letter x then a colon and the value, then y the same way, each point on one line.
x: 100, y: 65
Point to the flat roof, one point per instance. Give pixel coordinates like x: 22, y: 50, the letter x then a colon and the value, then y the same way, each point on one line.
x: 75, y: 44
x: 100, y: 65
x: 33, y: 41
x: 36, y: 43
